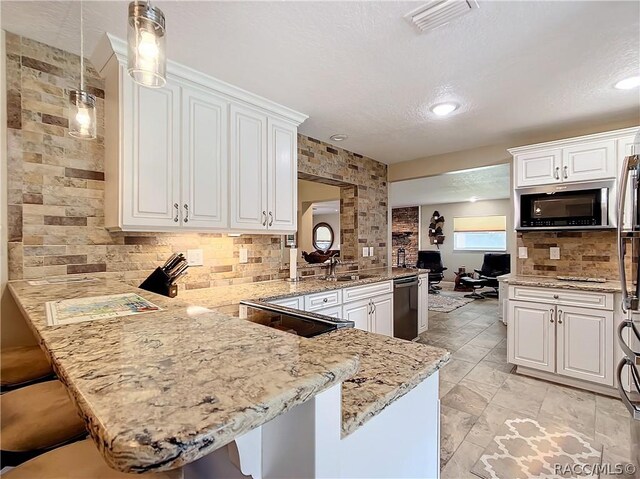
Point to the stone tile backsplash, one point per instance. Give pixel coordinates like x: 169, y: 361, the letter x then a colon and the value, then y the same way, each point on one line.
x: 56, y: 190
x: 582, y: 253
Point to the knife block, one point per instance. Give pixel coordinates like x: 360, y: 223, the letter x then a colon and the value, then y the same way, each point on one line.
x: 158, y: 282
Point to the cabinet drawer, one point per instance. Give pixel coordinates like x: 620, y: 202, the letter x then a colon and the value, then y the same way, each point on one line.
x: 295, y: 303
x: 333, y: 312
x: 314, y: 302
x: 567, y: 297
x: 367, y: 291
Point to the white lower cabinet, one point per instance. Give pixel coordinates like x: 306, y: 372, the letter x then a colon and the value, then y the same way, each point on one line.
x: 359, y: 312
x: 531, y: 335
x: 585, y: 344
x: 423, y: 303
x: 382, y: 315
x: 373, y: 312
x: 570, y: 341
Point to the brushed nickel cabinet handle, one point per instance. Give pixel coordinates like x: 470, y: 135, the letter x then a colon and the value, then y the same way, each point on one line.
x: 186, y: 213
x: 559, y: 316
x: 551, y: 311
x: 557, y: 173
x: 264, y: 218
x: 270, y: 219
x: 566, y: 172
x: 555, y: 296
x: 177, y: 207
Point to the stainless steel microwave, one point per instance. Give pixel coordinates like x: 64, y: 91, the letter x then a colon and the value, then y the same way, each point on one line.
x: 578, y: 206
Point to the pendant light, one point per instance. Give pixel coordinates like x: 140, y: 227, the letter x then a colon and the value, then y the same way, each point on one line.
x: 82, y: 112
x: 147, y: 62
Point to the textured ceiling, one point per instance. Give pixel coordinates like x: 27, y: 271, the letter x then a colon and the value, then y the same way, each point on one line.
x: 359, y: 68
x: 488, y: 183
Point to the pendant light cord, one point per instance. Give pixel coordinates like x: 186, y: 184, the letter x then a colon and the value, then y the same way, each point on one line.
x: 81, y: 48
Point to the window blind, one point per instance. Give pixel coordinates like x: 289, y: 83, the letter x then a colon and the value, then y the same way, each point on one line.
x: 479, y: 223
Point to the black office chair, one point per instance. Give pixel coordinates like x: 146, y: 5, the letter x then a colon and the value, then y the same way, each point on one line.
x: 493, y: 265
x: 432, y: 260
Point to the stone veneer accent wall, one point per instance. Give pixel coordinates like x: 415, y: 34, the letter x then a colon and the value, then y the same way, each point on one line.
x: 56, y: 189
x: 582, y: 253
x: 363, y: 201
x: 405, y: 233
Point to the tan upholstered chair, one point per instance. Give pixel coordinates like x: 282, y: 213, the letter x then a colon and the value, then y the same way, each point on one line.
x: 35, y: 419
x: 22, y: 365
x: 80, y: 460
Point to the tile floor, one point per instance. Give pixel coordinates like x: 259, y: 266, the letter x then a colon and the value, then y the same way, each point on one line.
x: 479, y: 391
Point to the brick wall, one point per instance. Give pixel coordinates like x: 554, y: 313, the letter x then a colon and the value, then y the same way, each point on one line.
x: 405, y: 231
x: 56, y: 189
x: 582, y: 253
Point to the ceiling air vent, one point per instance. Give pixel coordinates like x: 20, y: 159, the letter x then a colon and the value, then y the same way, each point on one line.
x: 437, y: 13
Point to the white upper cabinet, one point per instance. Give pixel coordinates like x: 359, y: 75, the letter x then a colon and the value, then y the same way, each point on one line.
x: 151, y: 174
x: 198, y: 154
x: 538, y: 168
x: 204, y: 160
x: 282, y: 160
x: 624, y: 148
x: 586, y: 158
x: 590, y: 161
x: 248, y: 169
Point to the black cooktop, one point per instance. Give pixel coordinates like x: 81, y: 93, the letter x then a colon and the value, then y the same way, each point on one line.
x: 285, y: 319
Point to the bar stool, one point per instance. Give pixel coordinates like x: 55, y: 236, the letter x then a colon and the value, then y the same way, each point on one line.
x: 22, y: 365
x: 36, y: 419
x: 80, y: 460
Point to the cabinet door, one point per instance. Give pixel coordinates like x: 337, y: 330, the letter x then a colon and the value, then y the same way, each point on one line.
x: 359, y: 313
x: 624, y: 148
x: 538, y: 168
x: 531, y: 335
x: 151, y: 168
x: 248, y: 194
x: 382, y: 316
x: 590, y: 161
x: 423, y: 304
x: 585, y: 344
x: 282, y: 171
x: 204, y: 160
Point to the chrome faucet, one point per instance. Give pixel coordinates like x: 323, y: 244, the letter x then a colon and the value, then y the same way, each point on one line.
x: 333, y: 263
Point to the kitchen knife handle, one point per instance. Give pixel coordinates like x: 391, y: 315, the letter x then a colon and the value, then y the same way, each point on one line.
x: 177, y: 207
x: 186, y: 213
x: 270, y: 219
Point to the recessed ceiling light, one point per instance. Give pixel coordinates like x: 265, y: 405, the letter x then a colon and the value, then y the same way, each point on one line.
x: 444, y: 109
x: 473, y: 199
x: 338, y: 137
x: 628, y: 83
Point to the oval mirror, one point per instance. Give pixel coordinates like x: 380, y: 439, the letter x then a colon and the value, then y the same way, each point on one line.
x: 322, y: 237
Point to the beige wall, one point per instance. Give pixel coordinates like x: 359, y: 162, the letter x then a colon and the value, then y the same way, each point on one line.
x: 310, y: 192
x: 495, y: 154
x: 332, y: 220
x: 454, y: 259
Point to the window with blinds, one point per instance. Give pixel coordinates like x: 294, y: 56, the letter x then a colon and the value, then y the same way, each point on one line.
x: 480, y: 233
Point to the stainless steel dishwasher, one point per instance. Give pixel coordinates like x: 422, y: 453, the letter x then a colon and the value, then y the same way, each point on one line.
x: 405, y: 307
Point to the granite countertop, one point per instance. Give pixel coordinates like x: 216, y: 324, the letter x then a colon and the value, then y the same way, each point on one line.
x: 278, y: 289
x: 162, y: 389
x: 389, y: 368
x: 553, y: 282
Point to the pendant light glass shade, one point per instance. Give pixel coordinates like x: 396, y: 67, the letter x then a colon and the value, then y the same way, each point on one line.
x: 82, y: 104
x: 82, y: 114
x: 147, y: 62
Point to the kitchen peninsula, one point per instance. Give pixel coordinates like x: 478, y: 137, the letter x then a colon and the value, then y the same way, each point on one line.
x: 161, y: 390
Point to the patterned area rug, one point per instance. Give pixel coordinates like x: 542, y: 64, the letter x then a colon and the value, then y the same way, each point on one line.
x: 524, y: 449
x: 448, y: 299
